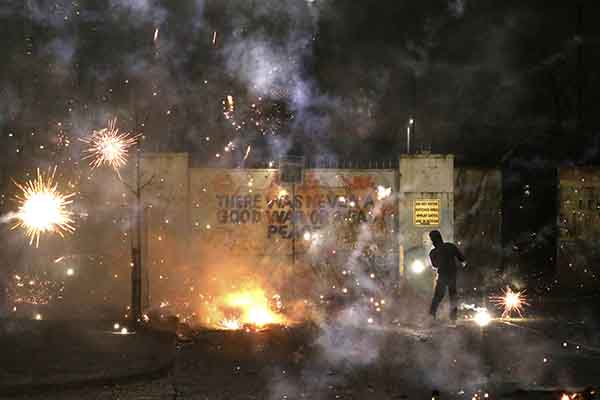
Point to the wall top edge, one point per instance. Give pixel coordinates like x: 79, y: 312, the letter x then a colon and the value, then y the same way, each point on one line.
x: 441, y: 156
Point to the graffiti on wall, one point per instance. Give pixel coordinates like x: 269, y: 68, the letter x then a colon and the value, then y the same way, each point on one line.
x: 255, y: 206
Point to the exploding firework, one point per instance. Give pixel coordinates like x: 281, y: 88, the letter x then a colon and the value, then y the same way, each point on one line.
x: 510, y: 302
x: 109, y: 147
x: 43, y: 208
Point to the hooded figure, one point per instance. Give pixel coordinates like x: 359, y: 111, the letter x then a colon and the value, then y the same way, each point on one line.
x: 443, y: 258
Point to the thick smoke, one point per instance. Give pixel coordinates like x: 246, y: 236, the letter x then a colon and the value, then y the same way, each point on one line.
x: 457, y: 7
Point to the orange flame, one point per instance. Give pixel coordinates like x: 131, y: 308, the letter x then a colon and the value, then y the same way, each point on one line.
x: 250, y: 307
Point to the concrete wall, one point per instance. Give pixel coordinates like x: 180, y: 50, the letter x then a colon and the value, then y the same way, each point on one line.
x: 423, y: 177
x: 579, y: 227
x: 250, y: 217
x: 198, y: 219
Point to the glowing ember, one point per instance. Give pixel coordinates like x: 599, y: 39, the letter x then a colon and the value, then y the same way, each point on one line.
x: 510, y: 301
x: 109, y: 147
x: 249, y: 308
x: 43, y: 208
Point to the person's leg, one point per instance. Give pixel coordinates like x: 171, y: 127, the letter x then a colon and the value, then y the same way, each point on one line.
x: 453, y: 298
x: 438, y: 295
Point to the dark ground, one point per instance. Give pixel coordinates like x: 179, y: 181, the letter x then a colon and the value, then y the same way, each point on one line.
x: 517, y: 359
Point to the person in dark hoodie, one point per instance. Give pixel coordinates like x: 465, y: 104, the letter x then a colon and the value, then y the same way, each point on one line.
x: 443, y: 258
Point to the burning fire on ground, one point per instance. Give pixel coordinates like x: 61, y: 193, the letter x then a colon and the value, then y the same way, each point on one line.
x: 246, y: 309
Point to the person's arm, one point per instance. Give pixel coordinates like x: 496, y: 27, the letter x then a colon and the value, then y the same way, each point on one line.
x: 460, y: 256
x: 432, y: 260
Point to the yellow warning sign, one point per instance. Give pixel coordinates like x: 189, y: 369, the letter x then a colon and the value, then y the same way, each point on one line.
x: 427, y: 212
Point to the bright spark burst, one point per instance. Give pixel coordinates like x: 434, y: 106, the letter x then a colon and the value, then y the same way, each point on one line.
x: 43, y: 208
x: 510, y: 302
x: 109, y: 147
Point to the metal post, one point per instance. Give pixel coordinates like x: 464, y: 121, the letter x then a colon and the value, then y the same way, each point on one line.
x: 410, y: 128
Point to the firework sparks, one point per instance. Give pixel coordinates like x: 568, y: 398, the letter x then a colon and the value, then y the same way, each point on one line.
x: 156, y: 35
x: 109, y: 147
x: 510, y: 302
x: 214, y: 38
x: 247, y: 152
x: 43, y: 208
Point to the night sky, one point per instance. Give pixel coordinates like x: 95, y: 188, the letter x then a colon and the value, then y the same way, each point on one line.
x: 509, y: 84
